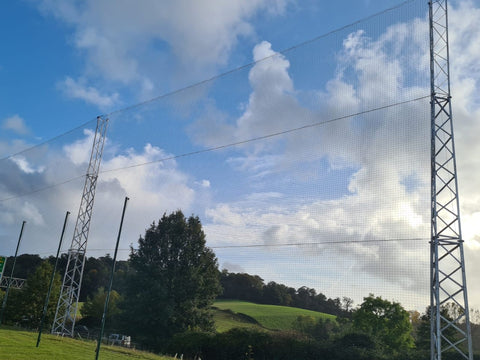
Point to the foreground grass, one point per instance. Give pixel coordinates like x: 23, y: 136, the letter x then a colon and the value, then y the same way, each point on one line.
x: 21, y: 345
x: 270, y: 317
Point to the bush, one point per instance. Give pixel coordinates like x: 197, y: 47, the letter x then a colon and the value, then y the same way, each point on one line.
x: 245, y: 344
x: 191, y: 344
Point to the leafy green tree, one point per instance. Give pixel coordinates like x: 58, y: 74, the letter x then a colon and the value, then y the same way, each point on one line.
x: 96, y: 276
x: 25, y: 265
x: 174, y: 280
x: 354, y: 345
x: 277, y: 294
x: 423, y: 335
x: 13, y: 312
x: 92, y: 309
x: 386, y: 321
x: 318, y: 329
x: 241, y: 286
x: 25, y: 306
x: 305, y: 298
x: 35, y: 292
x: 347, y: 304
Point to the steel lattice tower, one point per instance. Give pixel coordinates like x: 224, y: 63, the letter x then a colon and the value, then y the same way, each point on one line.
x: 67, y: 305
x: 447, y: 272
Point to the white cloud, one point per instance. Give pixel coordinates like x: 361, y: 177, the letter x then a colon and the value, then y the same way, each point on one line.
x: 383, y: 149
x: 224, y: 215
x: 31, y: 211
x: 16, y: 124
x: 135, y: 43
x: 153, y: 190
x: 386, y: 148
x: 79, y: 90
x: 79, y: 151
x: 270, y: 108
x: 464, y: 34
x: 160, y: 184
x: 232, y: 267
x: 25, y: 166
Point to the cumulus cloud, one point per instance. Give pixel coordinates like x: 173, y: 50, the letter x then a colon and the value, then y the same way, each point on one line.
x: 77, y: 89
x: 25, y: 166
x: 205, y: 183
x: 464, y: 33
x: 384, y: 154
x: 465, y: 53
x: 153, y: 190
x: 16, y: 124
x: 133, y: 43
x: 79, y: 151
x: 232, y: 267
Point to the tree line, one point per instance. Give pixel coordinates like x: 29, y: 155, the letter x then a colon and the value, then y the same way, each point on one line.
x: 96, y: 274
x: 252, y: 288
x: 163, y: 295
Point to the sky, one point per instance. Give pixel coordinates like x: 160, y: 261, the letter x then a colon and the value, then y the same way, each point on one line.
x: 179, y: 81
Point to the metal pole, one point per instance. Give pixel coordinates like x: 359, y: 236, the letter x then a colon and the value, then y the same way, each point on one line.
x: 4, y: 304
x: 105, y: 308
x: 45, y: 306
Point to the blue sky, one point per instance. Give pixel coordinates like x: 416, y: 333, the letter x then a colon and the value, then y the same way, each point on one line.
x: 40, y: 54
x: 362, y: 178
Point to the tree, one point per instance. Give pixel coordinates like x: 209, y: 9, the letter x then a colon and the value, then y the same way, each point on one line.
x: 25, y: 306
x: 305, y: 298
x: 423, y: 336
x: 35, y: 292
x: 386, y: 321
x: 25, y: 266
x: 347, y: 304
x: 92, y: 309
x: 277, y: 294
x: 96, y: 275
x: 319, y: 329
x: 357, y: 346
x: 241, y: 286
x: 174, y: 279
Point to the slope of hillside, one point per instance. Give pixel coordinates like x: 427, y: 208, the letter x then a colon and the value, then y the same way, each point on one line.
x: 233, y: 313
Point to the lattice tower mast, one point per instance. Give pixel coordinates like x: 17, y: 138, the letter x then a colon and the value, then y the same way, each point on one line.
x: 67, y: 305
x: 447, y: 271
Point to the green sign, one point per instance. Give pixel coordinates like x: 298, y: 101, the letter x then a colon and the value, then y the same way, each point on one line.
x: 3, y: 261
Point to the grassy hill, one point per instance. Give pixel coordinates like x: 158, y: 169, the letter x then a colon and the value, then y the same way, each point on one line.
x: 20, y: 345
x: 233, y: 313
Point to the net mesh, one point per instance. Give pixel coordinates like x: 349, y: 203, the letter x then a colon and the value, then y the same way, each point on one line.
x: 308, y: 167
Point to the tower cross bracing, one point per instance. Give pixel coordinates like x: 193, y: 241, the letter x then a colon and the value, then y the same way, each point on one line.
x: 67, y: 305
x: 449, y: 333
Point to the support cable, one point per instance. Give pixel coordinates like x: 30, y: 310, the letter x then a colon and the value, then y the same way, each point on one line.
x: 224, y: 146
x: 218, y: 76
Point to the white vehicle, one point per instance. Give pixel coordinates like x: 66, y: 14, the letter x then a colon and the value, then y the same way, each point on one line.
x: 119, y: 339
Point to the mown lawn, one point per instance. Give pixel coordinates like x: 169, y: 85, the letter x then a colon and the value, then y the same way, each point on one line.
x: 270, y: 317
x: 21, y: 345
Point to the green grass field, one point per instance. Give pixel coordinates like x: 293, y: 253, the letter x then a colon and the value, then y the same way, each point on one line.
x: 20, y: 345
x: 226, y: 320
x: 269, y: 317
